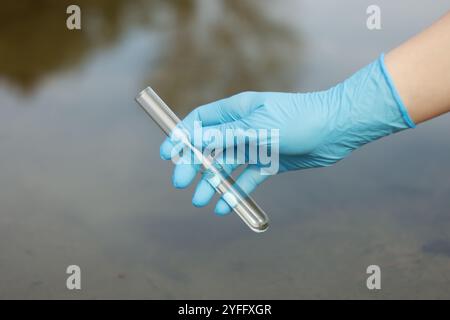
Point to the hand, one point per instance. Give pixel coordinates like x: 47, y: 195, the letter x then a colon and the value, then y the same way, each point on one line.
x: 315, y: 129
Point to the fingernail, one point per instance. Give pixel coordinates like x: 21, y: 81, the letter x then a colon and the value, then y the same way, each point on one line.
x: 221, y: 211
x: 195, y: 203
x: 175, y: 183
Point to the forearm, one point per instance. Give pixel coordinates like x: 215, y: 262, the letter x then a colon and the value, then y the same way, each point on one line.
x: 420, y: 69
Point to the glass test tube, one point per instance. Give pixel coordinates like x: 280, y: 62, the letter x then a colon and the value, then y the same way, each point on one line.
x: 242, y: 204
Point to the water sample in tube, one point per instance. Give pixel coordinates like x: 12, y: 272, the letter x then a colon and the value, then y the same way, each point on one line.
x: 242, y: 204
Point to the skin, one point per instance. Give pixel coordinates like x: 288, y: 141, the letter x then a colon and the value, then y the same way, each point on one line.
x: 420, y: 69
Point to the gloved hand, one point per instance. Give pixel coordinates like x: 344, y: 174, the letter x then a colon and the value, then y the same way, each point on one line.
x: 315, y: 129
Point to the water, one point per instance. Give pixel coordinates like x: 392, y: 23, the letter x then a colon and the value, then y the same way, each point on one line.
x: 81, y: 181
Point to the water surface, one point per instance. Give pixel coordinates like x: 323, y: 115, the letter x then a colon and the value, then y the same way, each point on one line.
x: 81, y: 181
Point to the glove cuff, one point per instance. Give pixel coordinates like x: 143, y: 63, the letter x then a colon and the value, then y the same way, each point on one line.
x: 370, y: 106
x: 398, y: 99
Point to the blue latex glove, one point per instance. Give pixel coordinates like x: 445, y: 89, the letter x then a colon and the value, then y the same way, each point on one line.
x: 316, y: 129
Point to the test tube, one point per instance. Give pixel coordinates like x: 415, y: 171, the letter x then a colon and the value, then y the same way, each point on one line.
x: 243, y: 205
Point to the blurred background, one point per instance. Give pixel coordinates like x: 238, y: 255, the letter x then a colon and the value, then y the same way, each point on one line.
x: 81, y: 181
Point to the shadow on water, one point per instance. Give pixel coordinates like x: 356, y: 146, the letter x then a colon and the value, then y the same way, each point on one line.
x: 437, y: 247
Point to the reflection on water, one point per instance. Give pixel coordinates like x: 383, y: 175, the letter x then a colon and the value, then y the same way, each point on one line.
x: 81, y: 181
x: 228, y: 40
x: 34, y: 42
x: 232, y: 41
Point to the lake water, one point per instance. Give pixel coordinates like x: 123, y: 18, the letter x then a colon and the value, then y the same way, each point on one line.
x: 81, y: 181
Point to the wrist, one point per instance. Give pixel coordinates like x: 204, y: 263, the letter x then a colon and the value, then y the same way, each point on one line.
x: 395, y: 94
x: 371, y: 105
